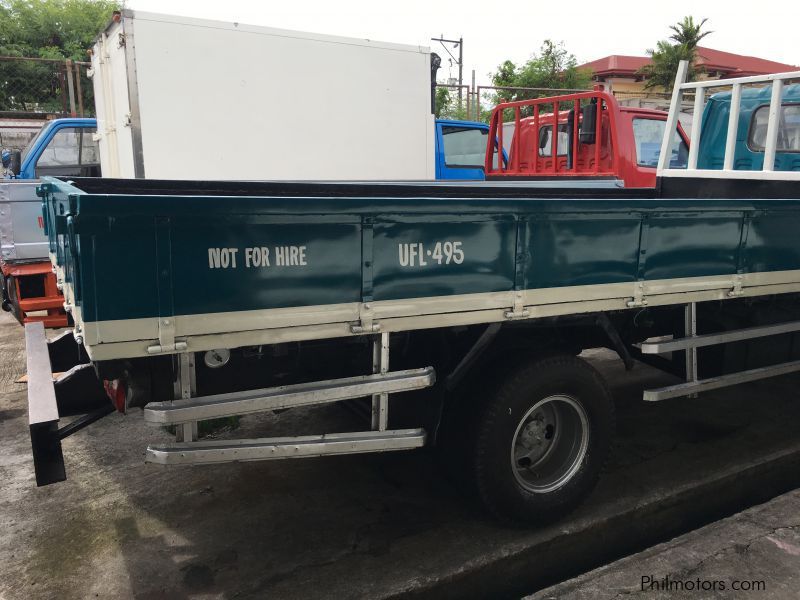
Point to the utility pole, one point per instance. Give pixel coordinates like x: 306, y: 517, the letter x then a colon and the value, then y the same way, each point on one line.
x: 459, y: 43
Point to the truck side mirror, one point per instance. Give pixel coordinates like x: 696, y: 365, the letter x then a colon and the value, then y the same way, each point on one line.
x: 588, y: 131
x: 16, y: 162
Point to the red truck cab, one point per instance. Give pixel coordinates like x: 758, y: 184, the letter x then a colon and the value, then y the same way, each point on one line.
x: 597, y: 139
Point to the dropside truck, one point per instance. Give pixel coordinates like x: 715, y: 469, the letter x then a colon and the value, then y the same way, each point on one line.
x: 454, y: 315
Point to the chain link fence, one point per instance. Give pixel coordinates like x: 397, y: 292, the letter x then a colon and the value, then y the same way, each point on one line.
x: 35, y: 87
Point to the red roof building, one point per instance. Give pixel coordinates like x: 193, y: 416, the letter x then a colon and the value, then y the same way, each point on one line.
x: 717, y: 65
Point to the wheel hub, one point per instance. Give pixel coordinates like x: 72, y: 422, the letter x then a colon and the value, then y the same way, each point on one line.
x: 550, y: 444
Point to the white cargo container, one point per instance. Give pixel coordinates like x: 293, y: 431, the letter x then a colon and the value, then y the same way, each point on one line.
x: 182, y: 98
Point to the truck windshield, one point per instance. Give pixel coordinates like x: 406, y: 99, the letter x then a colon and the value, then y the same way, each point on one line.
x: 32, y: 142
x: 465, y: 147
x: 648, y: 134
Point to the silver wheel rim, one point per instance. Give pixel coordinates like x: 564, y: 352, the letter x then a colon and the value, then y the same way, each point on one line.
x: 549, y: 444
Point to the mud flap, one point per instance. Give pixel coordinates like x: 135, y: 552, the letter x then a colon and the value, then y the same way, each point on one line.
x: 77, y: 391
x: 48, y: 460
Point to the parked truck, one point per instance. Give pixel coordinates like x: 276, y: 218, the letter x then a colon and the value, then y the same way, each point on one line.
x: 62, y: 147
x: 597, y: 139
x: 482, y: 296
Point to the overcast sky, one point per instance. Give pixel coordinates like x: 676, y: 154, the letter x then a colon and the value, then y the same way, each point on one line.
x: 495, y: 31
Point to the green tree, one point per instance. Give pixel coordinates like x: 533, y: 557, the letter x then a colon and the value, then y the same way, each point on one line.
x: 687, y: 32
x: 53, y: 29
x: 552, y: 68
x: 447, y: 106
x: 666, y: 56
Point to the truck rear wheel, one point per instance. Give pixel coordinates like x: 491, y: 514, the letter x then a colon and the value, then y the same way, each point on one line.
x: 542, y: 438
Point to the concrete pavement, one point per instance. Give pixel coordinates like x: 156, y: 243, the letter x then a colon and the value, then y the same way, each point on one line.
x: 754, y: 554
x: 364, y: 526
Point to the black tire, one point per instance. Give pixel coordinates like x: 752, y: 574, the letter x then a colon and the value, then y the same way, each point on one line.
x: 560, y: 396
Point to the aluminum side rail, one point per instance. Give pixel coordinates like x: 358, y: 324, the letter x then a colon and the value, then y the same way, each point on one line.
x: 288, y: 396
x: 691, y: 342
x: 224, y: 451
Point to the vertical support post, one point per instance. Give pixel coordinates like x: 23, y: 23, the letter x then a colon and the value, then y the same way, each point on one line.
x: 598, y: 134
x: 500, y: 166
x: 733, y: 127
x: 460, y: 72
x: 575, y: 134
x: 185, y: 388
x: 70, y: 87
x: 672, y: 119
x: 380, y: 364
x: 690, y: 330
x: 536, y: 138
x: 477, y: 107
x: 697, y: 125
x: 79, y: 89
x: 515, y: 138
x: 554, y: 141
x: 771, y: 144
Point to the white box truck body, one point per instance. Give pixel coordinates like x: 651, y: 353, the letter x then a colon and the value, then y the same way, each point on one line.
x: 182, y: 98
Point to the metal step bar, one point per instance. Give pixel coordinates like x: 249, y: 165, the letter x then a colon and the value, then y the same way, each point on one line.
x: 186, y: 410
x: 715, y: 383
x: 689, y: 344
x: 216, y: 451
x: 287, y: 396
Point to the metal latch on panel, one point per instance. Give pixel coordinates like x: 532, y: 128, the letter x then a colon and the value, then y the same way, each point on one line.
x: 166, y: 338
x: 366, y: 323
x: 736, y: 290
x: 638, y: 296
x: 518, y: 311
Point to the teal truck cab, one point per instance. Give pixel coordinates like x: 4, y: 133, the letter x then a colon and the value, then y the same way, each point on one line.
x: 750, y: 142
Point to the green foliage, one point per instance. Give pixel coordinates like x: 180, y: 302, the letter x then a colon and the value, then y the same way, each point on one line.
x: 447, y: 106
x: 687, y: 32
x: 442, y: 103
x: 553, y: 67
x: 53, y: 29
x: 666, y: 56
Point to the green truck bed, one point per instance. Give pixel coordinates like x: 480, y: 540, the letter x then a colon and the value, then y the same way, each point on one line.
x: 153, y: 266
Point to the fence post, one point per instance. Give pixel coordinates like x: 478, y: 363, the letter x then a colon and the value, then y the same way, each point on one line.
x: 79, y: 87
x: 70, y: 81
x: 476, y: 115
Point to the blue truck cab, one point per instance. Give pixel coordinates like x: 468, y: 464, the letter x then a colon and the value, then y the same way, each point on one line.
x: 461, y: 149
x: 752, y: 130
x: 63, y: 147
